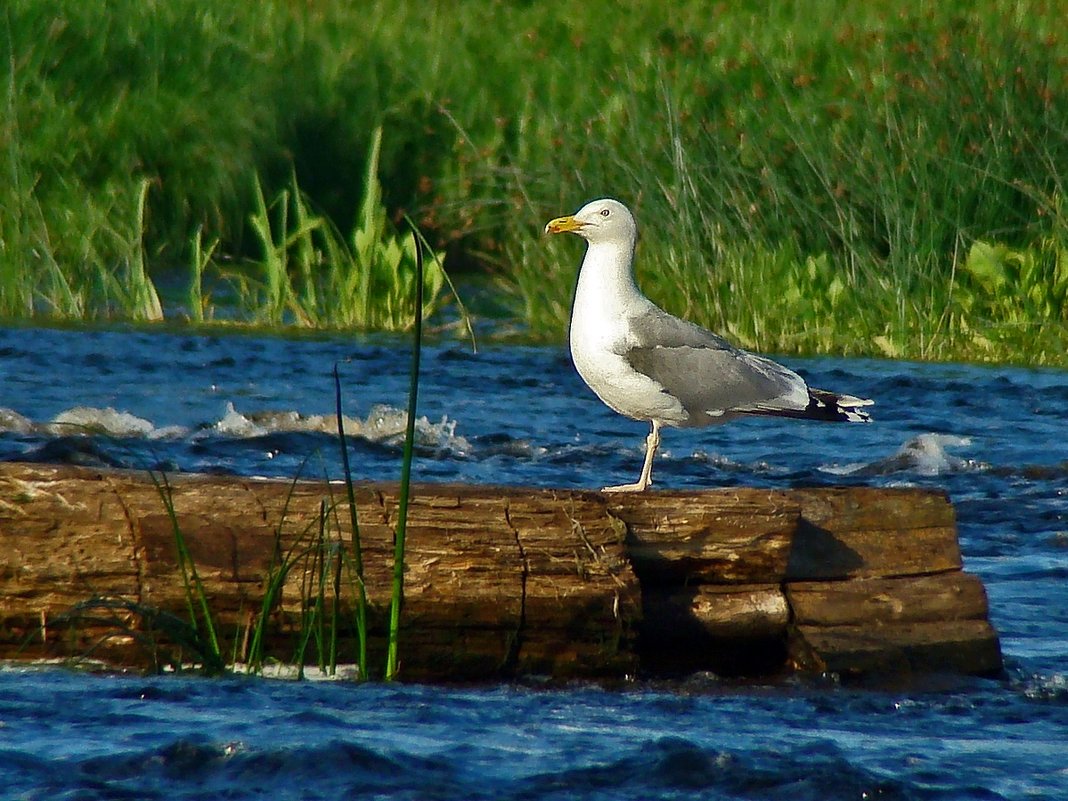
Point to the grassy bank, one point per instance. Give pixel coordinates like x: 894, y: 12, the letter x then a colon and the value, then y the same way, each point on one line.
x: 846, y: 177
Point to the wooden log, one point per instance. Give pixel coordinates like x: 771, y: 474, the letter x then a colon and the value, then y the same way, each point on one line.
x: 910, y: 599
x: 866, y: 531
x: 504, y: 581
x: 896, y: 626
x: 897, y: 649
x: 497, y: 583
x: 567, y: 544
x: 748, y: 535
x: 736, y: 536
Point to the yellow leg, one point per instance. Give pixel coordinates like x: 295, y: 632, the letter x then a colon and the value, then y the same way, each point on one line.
x: 652, y: 442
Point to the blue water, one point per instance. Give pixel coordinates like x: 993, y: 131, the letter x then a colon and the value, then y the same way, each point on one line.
x: 994, y: 438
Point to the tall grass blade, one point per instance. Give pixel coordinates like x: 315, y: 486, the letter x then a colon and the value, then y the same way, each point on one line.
x: 357, y: 551
x: 465, y: 316
x: 335, y: 609
x: 371, y: 229
x: 195, y: 596
x: 200, y: 258
x: 143, y: 297
x: 392, y: 662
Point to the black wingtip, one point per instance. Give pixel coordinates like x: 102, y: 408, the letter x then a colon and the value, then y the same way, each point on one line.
x: 828, y: 407
x: 831, y: 406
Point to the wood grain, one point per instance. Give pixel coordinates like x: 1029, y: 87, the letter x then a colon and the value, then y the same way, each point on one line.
x: 499, y: 581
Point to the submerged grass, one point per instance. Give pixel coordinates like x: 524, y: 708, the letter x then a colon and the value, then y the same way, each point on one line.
x: 812, y: 176
x: 170, y: 641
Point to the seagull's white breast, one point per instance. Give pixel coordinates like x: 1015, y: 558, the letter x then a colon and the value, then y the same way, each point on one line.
x: 601, y: 335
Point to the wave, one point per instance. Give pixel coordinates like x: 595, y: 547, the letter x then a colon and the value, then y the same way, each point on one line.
x: 1049, y: 688
x: 383, y: 424
x: 664, y: 768
x: 274, y: 442
x: 924, y: 455
x: 675, y: 767
x: 194, y: 767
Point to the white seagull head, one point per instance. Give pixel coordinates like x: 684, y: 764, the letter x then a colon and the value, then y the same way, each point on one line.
x: 604, y: 220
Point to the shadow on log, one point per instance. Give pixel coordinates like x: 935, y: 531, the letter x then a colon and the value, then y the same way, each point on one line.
x: 504, y: 582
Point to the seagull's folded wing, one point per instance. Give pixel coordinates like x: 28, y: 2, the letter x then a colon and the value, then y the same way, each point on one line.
x: 707, y: 374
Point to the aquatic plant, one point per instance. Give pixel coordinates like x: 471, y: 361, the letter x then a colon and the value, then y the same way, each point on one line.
x: 310, y: 275
x: 170, y: 641
x: 397, y: 595
x: 1003, y: 292
x: 357, y: 549
x: 201, y: 628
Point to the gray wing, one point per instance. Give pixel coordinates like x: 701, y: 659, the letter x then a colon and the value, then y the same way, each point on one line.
x: 706, y: 373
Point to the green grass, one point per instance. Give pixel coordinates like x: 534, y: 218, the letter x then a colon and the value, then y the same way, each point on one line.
x: 808, y: 176
x: 311, y: 275
x: 201, y: 625
x: 397, y: 590
x: 354, y: 528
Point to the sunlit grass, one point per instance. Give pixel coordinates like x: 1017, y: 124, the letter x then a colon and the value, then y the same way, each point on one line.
x: 311, y: 275
x: 855, y: 148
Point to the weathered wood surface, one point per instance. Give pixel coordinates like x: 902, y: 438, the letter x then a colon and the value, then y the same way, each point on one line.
x: 511, y: 581
x: 496, y: 584
x: 903, y: 650
x: 862, y: 580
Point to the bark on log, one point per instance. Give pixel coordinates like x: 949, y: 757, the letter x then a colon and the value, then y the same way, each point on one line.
x: 904, y: 626
x: 496, y: 584
x: 504, y: 581
x: 856, y: 532
x: 909, y: 599
x: 747, y: 535
x: 901, y: 649
x: 736, y: 536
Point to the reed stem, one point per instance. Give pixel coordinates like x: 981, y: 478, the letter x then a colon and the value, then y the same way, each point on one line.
x: 357, y: 552
x: 392, y: 661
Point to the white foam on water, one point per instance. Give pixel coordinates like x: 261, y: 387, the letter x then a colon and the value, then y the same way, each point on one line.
x: 90, y: 420
x: 383, y: 424
x: 925, y: 455
x: 235, y: 424
x: 10, y: 420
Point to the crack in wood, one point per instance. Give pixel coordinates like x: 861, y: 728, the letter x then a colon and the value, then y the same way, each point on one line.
x: 511, y: 659
x: 136, y: 546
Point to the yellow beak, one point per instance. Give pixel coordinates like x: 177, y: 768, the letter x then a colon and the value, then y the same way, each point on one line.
x: 562, y: 225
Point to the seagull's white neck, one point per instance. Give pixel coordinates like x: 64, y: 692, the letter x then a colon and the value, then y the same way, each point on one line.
x: 606, y: 280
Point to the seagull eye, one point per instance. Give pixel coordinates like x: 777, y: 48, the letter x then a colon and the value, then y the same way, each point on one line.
x: 605, y: 212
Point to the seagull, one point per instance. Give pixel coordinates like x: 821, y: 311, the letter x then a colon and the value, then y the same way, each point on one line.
x: 649, y: 365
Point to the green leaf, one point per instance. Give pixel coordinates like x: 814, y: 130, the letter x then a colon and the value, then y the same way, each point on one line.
x: 986, y: 264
